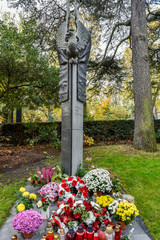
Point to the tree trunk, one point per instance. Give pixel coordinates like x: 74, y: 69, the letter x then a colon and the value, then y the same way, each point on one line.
x: 144, y: 134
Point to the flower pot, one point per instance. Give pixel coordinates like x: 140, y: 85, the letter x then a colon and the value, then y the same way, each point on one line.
x: 123, y: 225
x: 45, y: 214
x: 27, y: 235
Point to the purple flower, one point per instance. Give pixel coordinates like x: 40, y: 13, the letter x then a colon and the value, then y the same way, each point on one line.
x: 27, y: 221
x: 44, y: 173
x: 50, y: 191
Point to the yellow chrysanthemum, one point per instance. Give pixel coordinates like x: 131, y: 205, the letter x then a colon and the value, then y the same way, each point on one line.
x: 25, y: 194
x: 21, y: 207
x: 22, y: 189
x: 33, y: 196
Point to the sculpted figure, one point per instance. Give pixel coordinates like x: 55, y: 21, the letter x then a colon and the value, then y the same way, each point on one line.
x: 73, y: 46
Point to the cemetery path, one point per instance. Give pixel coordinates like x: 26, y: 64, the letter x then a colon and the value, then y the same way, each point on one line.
x: 17, y: 162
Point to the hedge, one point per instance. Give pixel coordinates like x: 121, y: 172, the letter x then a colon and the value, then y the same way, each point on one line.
x: 115, y: 130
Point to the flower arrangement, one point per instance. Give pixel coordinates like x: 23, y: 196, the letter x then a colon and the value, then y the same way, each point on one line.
x: 45, y: 176
x: 27, y: 221
x: 126, y: 212
x: 98, y: 180
x: 26, y: 200
x: 80, y: 212
x: 49, y: 193
x: 71, y: 186
x: 104, y: 201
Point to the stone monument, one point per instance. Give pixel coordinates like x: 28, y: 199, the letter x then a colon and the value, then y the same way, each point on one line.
x: 73, y: 47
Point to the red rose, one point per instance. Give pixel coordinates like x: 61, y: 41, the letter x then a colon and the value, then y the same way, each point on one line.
x: 63, y: 180
x: 70, y: 178
x: 87, y: 205
x: 43, y: 200
x: 67, y: 189
x: 104, y: 209
x: 81, y: 181
x: 74, y: 183
x: 61, y: 192
x: 64, y: 185
x: 84, y: 202
x: 84, y: 188
x: 102, y: 213
x: 87, y: 208
x: 70, y: 202
x: 73, y: 194
x: 77, y: 215
x: 85, y: 194
x: 78, y: 179
x: 31, y: 181
x: 106, y: 221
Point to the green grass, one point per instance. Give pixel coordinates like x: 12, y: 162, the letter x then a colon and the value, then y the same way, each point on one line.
x: 140, y: 175
x: 8, y: 198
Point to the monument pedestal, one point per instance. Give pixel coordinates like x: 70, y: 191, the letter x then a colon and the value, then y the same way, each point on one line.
x: 72, y: 126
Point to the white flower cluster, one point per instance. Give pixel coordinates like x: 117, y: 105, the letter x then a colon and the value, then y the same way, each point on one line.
x: 98, y: 180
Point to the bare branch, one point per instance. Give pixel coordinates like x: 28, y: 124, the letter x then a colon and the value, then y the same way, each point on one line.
x: 127, y: 24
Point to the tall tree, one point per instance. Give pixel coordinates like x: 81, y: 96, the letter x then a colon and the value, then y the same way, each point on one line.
x: 26, y: 78
x: 144, y: 135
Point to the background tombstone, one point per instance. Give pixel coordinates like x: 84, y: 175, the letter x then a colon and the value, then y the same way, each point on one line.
x: 19, y: 115
x: 73, y: 46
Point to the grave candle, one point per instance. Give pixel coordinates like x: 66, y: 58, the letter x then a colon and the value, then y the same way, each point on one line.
x: 117, y: 232
x: 80, y: 233
x: 109, y: 233
x: 96, y: 236
x: 71, y: 234
x: 50, y: 235
x: 14, y: 237
x: 101, y: 232
x: 90, y: 232
x: 56, y: 237
x: 44, y: 236
x: 62, y: 234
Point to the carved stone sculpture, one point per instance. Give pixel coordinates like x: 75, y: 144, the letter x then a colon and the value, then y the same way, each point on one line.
x: 73, y: 47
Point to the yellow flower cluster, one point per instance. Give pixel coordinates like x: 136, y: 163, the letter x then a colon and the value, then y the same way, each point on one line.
x: 32, y: 196
x: 25, y: 194
x: 104, y: 201
x: 127, y: 211
x: 22, y: 189
x: 21, y: 207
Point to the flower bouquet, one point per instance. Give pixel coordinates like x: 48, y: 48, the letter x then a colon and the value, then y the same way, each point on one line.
x: 98, y: 180
x: 80, y: 212
x: 27, y: 222
x: 72, y: 186
x: 49, y: 194
x: 26, y: 200
x: 123, y: 211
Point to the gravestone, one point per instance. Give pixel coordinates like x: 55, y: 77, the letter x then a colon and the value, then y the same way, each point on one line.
x: 73, y: 47
x: 19, y: 115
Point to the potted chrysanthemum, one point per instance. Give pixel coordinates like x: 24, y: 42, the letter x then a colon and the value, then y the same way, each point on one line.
x: 27, y: 222
x: 49, y: 194
x: 98, y: 180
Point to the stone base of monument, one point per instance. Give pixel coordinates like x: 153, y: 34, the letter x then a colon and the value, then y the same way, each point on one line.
x: 140, y: 230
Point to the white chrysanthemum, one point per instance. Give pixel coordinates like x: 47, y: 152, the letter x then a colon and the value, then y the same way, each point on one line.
x: 98, y: 180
